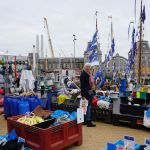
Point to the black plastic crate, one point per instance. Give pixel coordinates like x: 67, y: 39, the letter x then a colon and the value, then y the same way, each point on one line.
x: 105, y: 115
x: 148, y: 97
x: 132, y: 109
x: 140, y: 101
x: 101, y: 114
x: 70, y: 102
x: 129, y: 120
x: 124, y: 100
x: 70, y: 108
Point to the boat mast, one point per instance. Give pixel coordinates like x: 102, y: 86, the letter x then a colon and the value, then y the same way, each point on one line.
x: 140, y: 46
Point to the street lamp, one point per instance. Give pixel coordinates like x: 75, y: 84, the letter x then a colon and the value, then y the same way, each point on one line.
x: 74, y: 39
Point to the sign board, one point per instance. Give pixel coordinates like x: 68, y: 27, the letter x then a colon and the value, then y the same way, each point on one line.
x: 80, y: 115
x: 129, y: 142
x: 147, y: 143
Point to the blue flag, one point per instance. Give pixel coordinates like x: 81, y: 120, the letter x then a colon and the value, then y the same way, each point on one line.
x: 143, y: 14
x: 113, y: 46
x: 108, y: 58
x: 98, y: 73
x: 93, y: 58
x: 93, y: 44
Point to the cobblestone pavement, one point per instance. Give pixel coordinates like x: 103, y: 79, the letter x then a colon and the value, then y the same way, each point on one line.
x: 97, y: 138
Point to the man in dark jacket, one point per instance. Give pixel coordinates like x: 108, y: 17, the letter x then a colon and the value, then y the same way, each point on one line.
x: 86, y: 87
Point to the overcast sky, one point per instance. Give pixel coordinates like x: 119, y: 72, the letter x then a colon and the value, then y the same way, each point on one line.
x: 21, y: 20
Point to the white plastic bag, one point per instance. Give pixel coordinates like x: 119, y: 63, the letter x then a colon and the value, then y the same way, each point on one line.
x: 146, y: 121
x: 84, y: 104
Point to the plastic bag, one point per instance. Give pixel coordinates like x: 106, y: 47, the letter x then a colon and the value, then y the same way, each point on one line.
x: 84, y: 104
x: 146, y: 121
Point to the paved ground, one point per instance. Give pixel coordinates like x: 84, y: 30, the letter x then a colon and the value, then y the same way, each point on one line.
x: 97, y: 138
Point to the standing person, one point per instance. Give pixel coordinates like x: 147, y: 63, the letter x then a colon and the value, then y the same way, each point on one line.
x: 42, y: 85
x: 17, y: 81
x: 86, y: 92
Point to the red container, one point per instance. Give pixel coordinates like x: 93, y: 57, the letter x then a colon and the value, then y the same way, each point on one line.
x: 12, y: 123
x: 53, y: 138
x: 134, y: 93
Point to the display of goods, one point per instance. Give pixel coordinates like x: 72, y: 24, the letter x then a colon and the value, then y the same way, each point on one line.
x: 30, y: 120
x: 103, y: 104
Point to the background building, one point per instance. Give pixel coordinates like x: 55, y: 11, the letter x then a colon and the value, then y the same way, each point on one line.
x: 145, y: 61
x: 117, y: 63
x: 65, y: 66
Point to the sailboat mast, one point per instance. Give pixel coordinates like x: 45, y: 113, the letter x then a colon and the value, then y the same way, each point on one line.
x: 140, y: 46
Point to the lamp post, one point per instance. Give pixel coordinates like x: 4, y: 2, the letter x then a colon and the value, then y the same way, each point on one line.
x: 74, y: 39
x: 34, y: 60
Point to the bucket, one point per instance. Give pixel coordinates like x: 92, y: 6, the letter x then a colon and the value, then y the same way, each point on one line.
x: 134, y: 93
x: 137, y: 94
x: 33, y: 102
x: 23, y: 107
x: 7, y: 111
x: 14, y: 106
x: 143, y: 95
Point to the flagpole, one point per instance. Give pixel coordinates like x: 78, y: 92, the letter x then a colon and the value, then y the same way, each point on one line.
x: 111, y: 34
x: 96, y: 20
x: 133, y: 66
x: 98, y: 48
x: 140, y: 52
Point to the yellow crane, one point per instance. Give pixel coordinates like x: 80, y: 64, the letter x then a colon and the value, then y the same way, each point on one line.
x: 49, y: 39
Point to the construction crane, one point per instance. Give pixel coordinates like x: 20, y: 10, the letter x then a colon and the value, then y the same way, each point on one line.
x: 49, y: 39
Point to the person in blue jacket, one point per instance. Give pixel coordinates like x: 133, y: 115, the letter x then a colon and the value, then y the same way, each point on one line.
x: 86, y: 92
